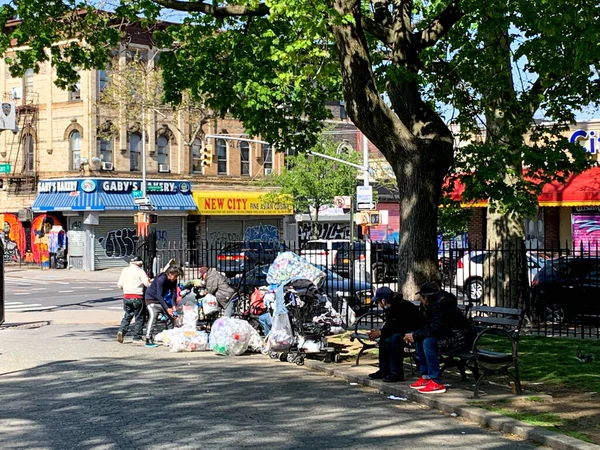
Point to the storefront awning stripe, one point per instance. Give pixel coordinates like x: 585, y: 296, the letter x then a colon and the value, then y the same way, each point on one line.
x: 67, y: 201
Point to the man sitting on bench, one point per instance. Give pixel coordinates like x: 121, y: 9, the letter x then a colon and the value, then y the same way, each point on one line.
x: 401, y: 316
x: 447, y: 329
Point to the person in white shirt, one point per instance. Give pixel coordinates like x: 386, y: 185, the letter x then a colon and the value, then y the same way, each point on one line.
x: 133, y: 281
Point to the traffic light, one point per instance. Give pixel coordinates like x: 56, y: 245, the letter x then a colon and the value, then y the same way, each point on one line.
x: 206, y: 155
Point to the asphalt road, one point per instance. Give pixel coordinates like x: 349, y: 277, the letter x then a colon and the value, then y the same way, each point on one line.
x: 73, y: 387
x: 31, y: 294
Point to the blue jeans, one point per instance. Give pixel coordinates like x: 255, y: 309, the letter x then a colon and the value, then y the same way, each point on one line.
x: 391, y: 354
x: 429, y: 363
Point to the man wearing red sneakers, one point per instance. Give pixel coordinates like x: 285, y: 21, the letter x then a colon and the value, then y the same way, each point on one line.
x: 446, y: 329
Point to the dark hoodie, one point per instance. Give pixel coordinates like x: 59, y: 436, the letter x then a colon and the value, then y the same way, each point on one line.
x: 401, y: 317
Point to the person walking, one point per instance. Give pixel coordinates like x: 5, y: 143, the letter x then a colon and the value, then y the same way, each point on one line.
x: 133, y: 281
x: 401, y: 316
x: 447, y: 329
x: 160, y: 298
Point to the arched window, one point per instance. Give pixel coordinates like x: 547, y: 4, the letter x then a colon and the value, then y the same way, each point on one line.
x: 135, y: 151
x: 244, y: 158
x: 28, y: 146
x: 267, y: 157
x: 162, y: 150
x: 221, y: 157
x: 75, y: 149
x: 196, y: 156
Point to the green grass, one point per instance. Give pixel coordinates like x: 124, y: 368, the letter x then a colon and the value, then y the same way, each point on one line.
x: 554, y: 362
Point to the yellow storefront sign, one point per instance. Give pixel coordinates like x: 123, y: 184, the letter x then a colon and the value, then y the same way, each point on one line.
x: 218, y: 203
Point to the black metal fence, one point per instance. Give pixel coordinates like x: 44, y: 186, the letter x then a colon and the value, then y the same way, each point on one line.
x: 559, y: 287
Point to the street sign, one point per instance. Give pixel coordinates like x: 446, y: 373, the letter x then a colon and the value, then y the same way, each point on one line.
x: 137, y: 194
x: 5, y: 168
x: 364, y: 194
x: 141, y: 201
x: 365, y: 206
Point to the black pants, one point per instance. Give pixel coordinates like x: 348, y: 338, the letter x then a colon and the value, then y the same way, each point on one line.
x: 133, y: 308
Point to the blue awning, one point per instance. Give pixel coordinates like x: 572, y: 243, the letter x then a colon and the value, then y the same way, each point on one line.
x: 67, y: 201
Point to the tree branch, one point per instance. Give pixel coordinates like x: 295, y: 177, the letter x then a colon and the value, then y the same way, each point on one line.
x: 377, y: 29
x: 223, y: 11
x: 439, y: 26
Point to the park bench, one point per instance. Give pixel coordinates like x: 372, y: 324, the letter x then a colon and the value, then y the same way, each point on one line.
x: 375, y: 320
x: 495, y: 347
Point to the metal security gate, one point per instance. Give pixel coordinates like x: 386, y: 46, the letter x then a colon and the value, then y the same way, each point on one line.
x: 116, y: 238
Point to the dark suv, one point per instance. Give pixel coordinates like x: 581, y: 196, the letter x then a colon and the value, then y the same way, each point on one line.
x: 384, y: 259
x: 565, y: 288
x: 238, y: 257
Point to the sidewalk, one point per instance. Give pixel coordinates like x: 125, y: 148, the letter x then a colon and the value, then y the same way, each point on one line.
x: 457, y: 401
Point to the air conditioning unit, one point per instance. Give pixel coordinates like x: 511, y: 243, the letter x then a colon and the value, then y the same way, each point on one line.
x: 268, y: 171
x: 25, y: 215
x: 164, y: 168
x: 106, y: 165
x: 17, y: 93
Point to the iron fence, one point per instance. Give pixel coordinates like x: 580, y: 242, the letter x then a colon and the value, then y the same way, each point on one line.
x: 558, y: 287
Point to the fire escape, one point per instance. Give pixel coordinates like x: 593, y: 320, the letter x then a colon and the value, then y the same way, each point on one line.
x: 23, y: 146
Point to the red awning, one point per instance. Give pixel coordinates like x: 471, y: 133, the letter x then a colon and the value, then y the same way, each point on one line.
x: 579, y: 190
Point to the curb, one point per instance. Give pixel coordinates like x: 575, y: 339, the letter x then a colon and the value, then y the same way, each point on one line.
x: 455, y: 405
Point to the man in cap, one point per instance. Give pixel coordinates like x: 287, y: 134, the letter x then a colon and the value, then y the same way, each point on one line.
x: 133, y: 281
x: 401, y: 316
x: 446, y: 329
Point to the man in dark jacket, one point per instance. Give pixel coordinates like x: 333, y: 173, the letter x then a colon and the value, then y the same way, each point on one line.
x: 447, y: 329
x: 401, y: 316
x: 217, y: 284
x: 161, y: 298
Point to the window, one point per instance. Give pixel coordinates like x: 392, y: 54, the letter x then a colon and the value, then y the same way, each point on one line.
x: 221, y: 157
x: 196, y: 156
x: 245, y: 158
x: 27, y: 83
x: 267, y: 157
x: 105, y: 147
x: 75, y: 150
x: 135, y: 148
x: 162, y: 150
x: 27, y: 145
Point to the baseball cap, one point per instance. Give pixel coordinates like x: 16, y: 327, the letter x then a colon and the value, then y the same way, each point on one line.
x: 383, y: 293
x: 136, y: 260
x: 428, y: 288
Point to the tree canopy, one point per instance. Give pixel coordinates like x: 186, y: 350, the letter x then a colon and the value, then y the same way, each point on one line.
x: 396, y: 64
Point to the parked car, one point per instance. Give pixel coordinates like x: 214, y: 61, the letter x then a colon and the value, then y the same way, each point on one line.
x: 383, y: 259
x: 357, y: 293
x: 323, y: 252
x: 238, y: 257
x: 566, y: 287
x: 470, y: 270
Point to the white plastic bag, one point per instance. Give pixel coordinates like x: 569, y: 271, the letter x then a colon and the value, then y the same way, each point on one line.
x: 209, y: 304
x: 281, y: 337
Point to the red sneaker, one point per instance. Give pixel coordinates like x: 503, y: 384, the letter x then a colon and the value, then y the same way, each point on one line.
x: 433, y: 388
x: 420, y: 383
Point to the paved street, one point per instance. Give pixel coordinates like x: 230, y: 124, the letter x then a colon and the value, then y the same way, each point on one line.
x: 75, y: 387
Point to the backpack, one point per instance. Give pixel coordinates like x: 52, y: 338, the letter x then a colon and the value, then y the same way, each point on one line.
x: 257, y: 303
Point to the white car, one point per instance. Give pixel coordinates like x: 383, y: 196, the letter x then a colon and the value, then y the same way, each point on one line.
x: 323, y: 252
x: 470, y: 268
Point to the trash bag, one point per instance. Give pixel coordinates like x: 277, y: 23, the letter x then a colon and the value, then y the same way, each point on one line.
x: 230, y: 336
x: 281, y: 337
x: 210, y: 305
x: 289, y: 265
